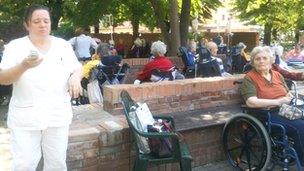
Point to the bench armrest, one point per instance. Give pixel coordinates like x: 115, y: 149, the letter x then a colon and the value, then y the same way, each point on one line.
x: 168, y: 118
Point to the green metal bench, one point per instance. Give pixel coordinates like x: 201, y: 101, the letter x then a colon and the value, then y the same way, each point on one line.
x: 181, y: 152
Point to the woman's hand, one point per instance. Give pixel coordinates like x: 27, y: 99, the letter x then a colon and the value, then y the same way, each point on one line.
x: 31, y: 61
x: 289, y: 95
x: 75, y: 88
x: 285, y: 100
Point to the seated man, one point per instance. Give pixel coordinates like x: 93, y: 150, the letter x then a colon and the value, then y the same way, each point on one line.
x: 191, y: 54
x: 213, y: 49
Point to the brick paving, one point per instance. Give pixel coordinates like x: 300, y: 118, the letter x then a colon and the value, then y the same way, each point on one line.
x: 5, y: 155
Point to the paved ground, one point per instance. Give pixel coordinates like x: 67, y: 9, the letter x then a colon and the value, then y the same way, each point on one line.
x: 5, y: 155
x: 219, y: 166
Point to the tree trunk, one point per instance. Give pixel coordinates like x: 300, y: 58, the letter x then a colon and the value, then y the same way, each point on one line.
x: 56, y: 8
x: 96, y: 28
x: 160, y: 18
x: 174, y: 25
x: 267, y: 33
x: 184, y: 21
x: 135, y: 26
x: 275, y: 34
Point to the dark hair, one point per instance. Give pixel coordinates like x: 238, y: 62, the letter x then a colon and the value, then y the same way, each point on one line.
x: 30, y: 10
x: 79, y: 31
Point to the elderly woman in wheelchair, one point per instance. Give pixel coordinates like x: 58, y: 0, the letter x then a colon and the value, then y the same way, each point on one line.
x: 160, y: 68
x: 262, y: 139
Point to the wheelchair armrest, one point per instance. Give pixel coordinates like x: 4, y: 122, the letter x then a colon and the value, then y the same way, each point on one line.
x: 256, y: 110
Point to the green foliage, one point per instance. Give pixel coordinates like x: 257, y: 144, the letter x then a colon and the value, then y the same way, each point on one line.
x: 12, y: 11
x: 282, y: 15
x: 203, y: 9
x: 195, y: 36
x: 65, y: 30
x: 84, y: 13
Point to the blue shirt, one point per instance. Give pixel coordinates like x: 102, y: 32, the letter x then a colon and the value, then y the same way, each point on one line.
x: 190, y: 58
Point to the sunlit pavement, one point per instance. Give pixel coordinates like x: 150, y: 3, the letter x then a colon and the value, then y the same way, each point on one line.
x: 5, y: 155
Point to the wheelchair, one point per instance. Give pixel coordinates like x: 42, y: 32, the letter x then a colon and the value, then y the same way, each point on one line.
x: 252, y: 141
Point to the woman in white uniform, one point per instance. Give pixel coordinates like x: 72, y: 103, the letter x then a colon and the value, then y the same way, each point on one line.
x: 45, y: 75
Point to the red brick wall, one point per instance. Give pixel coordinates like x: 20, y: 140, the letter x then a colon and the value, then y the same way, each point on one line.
x: 178, y: 95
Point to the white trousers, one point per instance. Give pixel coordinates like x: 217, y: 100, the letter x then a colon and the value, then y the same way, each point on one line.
x: 27, y: 146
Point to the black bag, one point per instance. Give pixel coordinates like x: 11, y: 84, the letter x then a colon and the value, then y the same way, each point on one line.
x: 161, y: 147
x: 208, y: 68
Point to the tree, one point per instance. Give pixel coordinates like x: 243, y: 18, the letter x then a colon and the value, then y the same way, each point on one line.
x: 191, y: 9
x: 11, y: 14
x: 160, y: 15
x: 275, y: 15
x: 137, y: 9
x: 13, y: 10
x: 174, y: 25
x: 184, y: 21
x: 188, y: 8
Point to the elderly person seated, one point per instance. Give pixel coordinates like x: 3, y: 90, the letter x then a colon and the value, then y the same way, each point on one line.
x: 263, y: 87
x: 280, y: 66
x: 191, y: 58
x: 160, y: 62
x: 295, y: 53
x: 104, y: 57
x: 213, y: 50
x: 103, y: 49
x: 137, y: 49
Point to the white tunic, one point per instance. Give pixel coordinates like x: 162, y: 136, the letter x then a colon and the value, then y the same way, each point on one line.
x: 40, y: 96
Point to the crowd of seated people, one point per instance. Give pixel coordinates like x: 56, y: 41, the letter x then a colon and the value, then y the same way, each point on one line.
x: 192, y: 55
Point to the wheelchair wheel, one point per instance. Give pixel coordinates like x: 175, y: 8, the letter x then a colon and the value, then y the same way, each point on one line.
x: 246, y: 143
